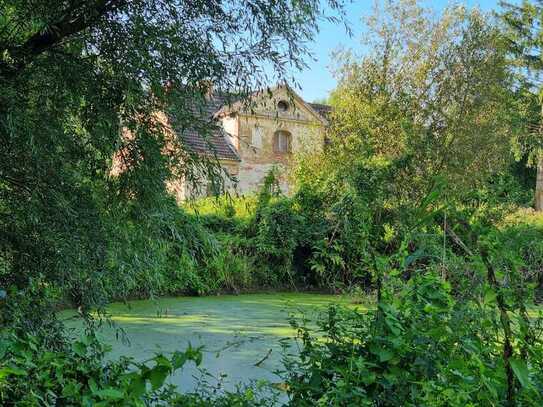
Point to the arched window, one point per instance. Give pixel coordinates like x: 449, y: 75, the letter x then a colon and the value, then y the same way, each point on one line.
x: 281, y: 141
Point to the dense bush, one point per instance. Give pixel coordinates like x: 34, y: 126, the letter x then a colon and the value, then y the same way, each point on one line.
x: 522, y: 234
x: 335, y: 238
x: 420, y: 347
x: 336, y: 231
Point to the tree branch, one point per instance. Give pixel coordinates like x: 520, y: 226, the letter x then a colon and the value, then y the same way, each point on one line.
x: 55, y: 33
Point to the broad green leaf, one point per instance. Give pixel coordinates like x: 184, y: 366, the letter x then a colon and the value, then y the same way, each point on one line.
x: 490, y: 296
x: 383, y: 354
x: 163, y: 361
x: 178, y: 360
x: 369, y: 378
x: 521, y: 372
x: 92, y: 385
x: 137, y: 386
x: 158, y: 376
x: 71, y: 389
x: 8, y: 371
x: 110, y: 394
x: 79, y: 348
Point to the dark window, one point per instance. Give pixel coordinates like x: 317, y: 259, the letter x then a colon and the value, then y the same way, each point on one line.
x: 282, y: 141
x: 282, y: 106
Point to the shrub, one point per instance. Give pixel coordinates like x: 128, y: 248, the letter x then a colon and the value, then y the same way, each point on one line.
x: 231, y: 269
x: 277, y: 235
x: 340, y: 256
x: 521, y: 236
x: 162, y: 255
x: 420, y: 347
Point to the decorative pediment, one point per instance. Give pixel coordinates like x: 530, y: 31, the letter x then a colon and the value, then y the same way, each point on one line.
x: 280, y: 102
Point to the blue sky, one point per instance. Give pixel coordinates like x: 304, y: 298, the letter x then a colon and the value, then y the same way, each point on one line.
x: 317, y: 81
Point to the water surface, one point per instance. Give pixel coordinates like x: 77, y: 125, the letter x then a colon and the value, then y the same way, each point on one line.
x: 240, y: 334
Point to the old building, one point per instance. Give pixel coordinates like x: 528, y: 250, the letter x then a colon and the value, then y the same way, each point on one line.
x: 253, y: 137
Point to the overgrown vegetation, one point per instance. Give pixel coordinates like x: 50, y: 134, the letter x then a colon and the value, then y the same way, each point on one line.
x: 421, y: 197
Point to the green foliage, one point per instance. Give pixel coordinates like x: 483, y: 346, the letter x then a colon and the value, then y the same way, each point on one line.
x: 520, y: 238
x: 432, y: 94
x: 78, y: 374
x: 277, y: 232
x: 232, y: 269
x: 223, y: 213
x: 455, y: 285
x: 85, y: 158
x: 339, y: 256
x: 421, y: 347
x: 162, y: 253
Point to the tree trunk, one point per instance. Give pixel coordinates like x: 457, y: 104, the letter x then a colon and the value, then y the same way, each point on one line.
x: 506, y: 326
x: 539, y: 175
x: 539, y: 185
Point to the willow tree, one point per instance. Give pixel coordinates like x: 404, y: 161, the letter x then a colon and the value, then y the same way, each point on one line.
x: 75, y: 73
x: 429, y: 93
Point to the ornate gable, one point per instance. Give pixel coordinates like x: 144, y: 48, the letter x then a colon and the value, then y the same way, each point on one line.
x: 281, y: 103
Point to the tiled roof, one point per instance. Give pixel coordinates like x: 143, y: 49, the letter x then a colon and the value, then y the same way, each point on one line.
x: 323, y: 110
x: 212, y: 139
x: 214, y: 144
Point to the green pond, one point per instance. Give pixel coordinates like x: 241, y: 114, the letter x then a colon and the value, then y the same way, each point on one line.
x: 240, y: 334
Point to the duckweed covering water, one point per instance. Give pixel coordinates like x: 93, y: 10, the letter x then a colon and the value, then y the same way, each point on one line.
x: 240, y: 334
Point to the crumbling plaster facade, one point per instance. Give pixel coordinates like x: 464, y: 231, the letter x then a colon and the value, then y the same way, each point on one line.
x: 250, y: 128
x: 251, y: 131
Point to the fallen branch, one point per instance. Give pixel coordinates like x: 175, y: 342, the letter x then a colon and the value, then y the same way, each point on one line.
x: 457, y: 240
x: 257, y: 364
